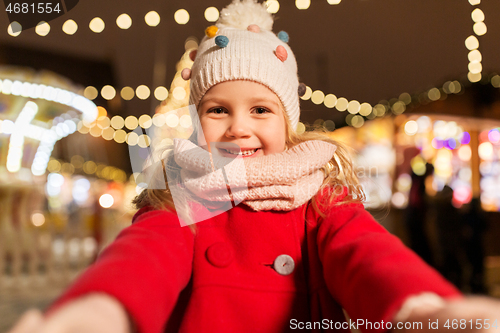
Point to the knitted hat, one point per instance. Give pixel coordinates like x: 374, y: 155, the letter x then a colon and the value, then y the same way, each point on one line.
x: 242, y: 46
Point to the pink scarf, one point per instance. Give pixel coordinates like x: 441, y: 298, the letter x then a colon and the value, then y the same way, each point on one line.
x: 282, y: 181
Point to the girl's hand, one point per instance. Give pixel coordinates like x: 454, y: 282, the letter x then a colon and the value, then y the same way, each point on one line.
x: 472, y: 314
x: 95, y: 313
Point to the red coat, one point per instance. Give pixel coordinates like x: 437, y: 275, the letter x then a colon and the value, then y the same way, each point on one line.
x: 222, y: 279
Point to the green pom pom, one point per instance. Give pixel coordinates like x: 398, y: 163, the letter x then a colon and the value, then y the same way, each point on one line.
x: 221, y: 41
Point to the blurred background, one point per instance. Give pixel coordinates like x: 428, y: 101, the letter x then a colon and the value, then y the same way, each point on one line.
x: 410, y: 86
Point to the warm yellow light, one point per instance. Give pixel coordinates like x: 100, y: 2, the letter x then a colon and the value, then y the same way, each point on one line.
x: 302, y: 4
x: 365, y: 109
x: 42, y: 28
x: 475, y: 67
x: 485, y: 150
x: 434, y: 94
x: 353, y: 107
x: 379, y: 110
x: 272, y: 6
x: 54, y: 166
x: 172, y: 120
x: 127, y: 93
x: 307, y: 94
x: 405, y: 98
x: 152, y: 18
x: 38, y: 219
x: 97, y: 25
x: 181, y: 16
x: 120, y: 136
x: 211, y: 14
x: 117, y: 122
x: 334, y: 2
x: 89, y: 167
x: 477, y: 15
x: 474, y: 2
x: 411, y: 127
x: 145, y: 121
x: 330, y: 100
x: 90, y: 92
x: 342, y: 104
x: 465, y: 153
x: 103, y: 122
x: 471, y: 43
x: 398, y: 107
x: 185, y: 121
x: 301, y: 128
x: 124, y: 21
x: 179, y: 93
x: 495, y: 81
x: 142, y: 92
x: 14, y: 29
x: 95, y: 131
x: 132, y: 138
x: 143, y: 141
x: 108, y: 133
x: 108, y: 92
x: 159, y: 120
x: 357, y: 121
x: 480, y: 28
x: 191, y: 43
x: 317, y: 97
x: 131, y: 122
x: 475, y: 56
x: 474, y: 77
x: 70, y: 27
x: 161, y: 93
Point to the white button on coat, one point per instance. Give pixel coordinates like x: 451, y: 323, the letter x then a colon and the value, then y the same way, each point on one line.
x: 284, y: 264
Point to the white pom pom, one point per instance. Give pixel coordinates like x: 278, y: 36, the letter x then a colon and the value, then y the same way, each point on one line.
x: 241, y: 13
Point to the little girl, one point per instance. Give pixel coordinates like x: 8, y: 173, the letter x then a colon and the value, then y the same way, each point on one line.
x: 295, y: 252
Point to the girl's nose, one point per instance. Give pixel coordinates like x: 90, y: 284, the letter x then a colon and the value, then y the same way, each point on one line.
x: 239, y: 128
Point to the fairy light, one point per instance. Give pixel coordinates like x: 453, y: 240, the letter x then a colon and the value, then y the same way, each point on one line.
x: 302, y: 4
x: 42, y: 28
x: 90, y: 92
x: 181, y: 16
x: 152, y: 18
x: 97, y: 25
x: 211, y: 14
x: 161, y: 93
x: 127, y: 93
x: 273, y: 6
x: 142, y: 92
x: 108, y: 92
x: 70, y: 27
x: 14, y: 29
x: 124, y: 21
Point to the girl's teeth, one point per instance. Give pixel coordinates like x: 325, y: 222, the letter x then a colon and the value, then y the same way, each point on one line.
x: 246, y: 152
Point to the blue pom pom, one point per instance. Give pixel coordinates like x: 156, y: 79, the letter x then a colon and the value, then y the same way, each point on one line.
x: 283, y: 36
x: 221, y: 41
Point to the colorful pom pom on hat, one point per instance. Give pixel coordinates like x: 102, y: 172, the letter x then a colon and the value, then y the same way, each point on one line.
x: 245, y: 48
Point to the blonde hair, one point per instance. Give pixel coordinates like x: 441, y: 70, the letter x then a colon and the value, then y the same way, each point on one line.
x: 339, y: 176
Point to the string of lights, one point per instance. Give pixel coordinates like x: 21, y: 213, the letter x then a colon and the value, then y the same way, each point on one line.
x: 152, y: 19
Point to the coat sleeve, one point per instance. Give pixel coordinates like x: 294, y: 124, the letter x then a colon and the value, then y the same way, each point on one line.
x: 368, y: 270
x: 145, y: 268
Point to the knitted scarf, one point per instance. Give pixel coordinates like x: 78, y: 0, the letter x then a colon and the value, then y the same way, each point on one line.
x: 282, y: 181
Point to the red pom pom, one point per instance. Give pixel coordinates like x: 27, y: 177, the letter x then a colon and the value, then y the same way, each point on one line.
x: 281, y: 53
x: 186, y: 74
x: 192, y: 55
x: 253, y: 28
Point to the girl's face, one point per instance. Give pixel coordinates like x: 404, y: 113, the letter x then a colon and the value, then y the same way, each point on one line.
x: 242, y: 113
